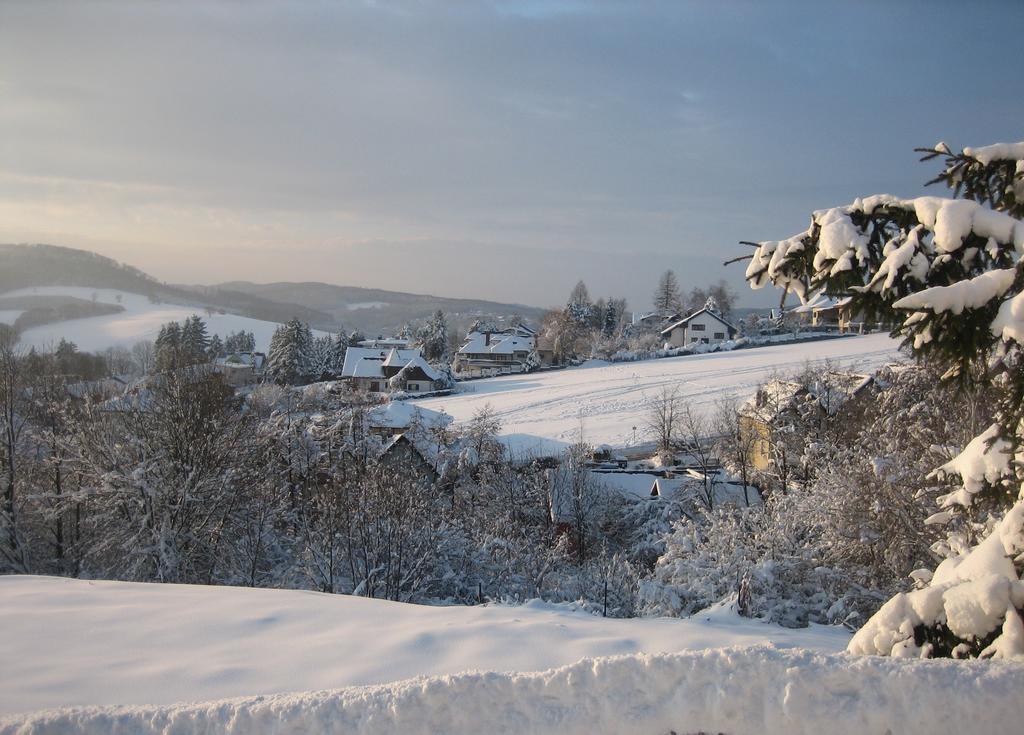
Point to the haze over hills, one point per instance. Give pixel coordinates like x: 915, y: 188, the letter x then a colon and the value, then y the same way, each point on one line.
x: 374, y: 310
x: 323, y: 306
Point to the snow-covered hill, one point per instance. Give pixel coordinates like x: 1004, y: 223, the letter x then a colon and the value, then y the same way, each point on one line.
x: 70, y: 642
x: 140, y: 320
x: 541, y: 413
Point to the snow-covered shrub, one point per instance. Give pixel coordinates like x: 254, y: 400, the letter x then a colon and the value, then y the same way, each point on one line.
x: 947, y: 273
x: 771, y: 570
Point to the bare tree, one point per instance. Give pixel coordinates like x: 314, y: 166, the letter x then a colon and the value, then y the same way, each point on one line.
x: 736, y: 442
x: 666, y: 295
x: 695, y: 431
x: 662, y: 421
x: 12, y: 425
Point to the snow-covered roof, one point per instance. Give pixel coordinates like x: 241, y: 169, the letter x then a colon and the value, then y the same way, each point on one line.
x: 374, y: 358
x: 241, y: 359
x: 686, y: 320
x: 830, y: 391
x: 402, y: 414
x: 500, y: 344
x: 419, y: 362
x: 821, y: 302
x: 385, y: 343
x: 666, y: 487
x: 368, y: 367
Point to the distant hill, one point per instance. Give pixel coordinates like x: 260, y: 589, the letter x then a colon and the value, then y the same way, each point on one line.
x: 24, y: 266
x: 321, y: 305
x: 375, y: 310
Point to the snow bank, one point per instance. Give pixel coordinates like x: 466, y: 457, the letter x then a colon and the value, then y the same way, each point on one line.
x: 66, y: 642
x: 752, y: 690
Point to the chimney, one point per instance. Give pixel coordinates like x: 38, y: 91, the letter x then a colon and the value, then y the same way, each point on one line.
x: 487, y: 339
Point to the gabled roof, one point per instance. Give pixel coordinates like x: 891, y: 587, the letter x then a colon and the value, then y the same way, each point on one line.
x: 372, y: 360
x: 666, y: 487
x: 686, y: 320
x: 418, y: 363
x: 402, y: 415
x: 501, y: 344
x: 821, y: 302
x: 242, y: 359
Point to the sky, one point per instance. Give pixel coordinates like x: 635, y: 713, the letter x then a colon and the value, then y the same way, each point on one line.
x: 492, y: 150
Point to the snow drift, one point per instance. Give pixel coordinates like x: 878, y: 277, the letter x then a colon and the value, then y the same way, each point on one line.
x: 735, y: 690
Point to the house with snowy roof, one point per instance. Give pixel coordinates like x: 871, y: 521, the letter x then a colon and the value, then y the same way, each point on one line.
x: 494, y: 353
x: 704, y: 326
x: 241, y: 368
x: 397, y: 417
x: 382, y: 370
x: 779, y: 402
x: 827, y: 312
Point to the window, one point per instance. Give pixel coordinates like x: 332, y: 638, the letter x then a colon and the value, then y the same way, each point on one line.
x: 719, y: 335
x: 374, y: 387
x: 698, y: 327
x: 412, y: 387
x: 693, y: 339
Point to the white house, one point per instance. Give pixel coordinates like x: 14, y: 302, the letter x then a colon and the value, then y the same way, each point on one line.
x: 493, y: 353
x: 701, y: 327
x: 372, y: 369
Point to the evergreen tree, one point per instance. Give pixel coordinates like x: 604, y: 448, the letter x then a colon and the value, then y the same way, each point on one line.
x: 613, y: 313
x: 322, y: 355
x: 194, y: 340
x: 434, y: 337
x: 216, y: 348
x: 948, y: 273
x: 666, y: 295
x: 338, y: 351
x: 168, y: 347
x: 290, y: 361
x: 579, y: 308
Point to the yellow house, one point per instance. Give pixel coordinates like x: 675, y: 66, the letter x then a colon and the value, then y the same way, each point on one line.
x: 779, y: 401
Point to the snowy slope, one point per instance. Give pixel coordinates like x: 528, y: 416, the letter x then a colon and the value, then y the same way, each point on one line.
x: 543, y: 412
x: 72, y: 642
x: 140, y: 320
x: 736, y: 690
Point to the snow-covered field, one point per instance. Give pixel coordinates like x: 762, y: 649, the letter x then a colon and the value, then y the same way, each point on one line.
x: 140, y: 320
x: 68, y: 642
x: 73, y: 642
x: 542, y: 413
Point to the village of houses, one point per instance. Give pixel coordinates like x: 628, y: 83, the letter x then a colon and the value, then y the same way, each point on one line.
x: 407, y: 431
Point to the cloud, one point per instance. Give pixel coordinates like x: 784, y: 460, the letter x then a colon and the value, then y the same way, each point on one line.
x: 573, y: 134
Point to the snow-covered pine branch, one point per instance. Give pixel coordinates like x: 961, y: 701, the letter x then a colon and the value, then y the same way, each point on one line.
x: 947, y: 274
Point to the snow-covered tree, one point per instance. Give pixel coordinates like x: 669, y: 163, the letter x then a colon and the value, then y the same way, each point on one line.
x: 433, y: 337
x: 338, y: 352
x: 290, y: 360
x: 240, y: 342
x: 194, y: 340
x: 167, y: 347
x: 215, y: 348
x: 946, y: 272
x: 322, y: 357
x: 579, y: 308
